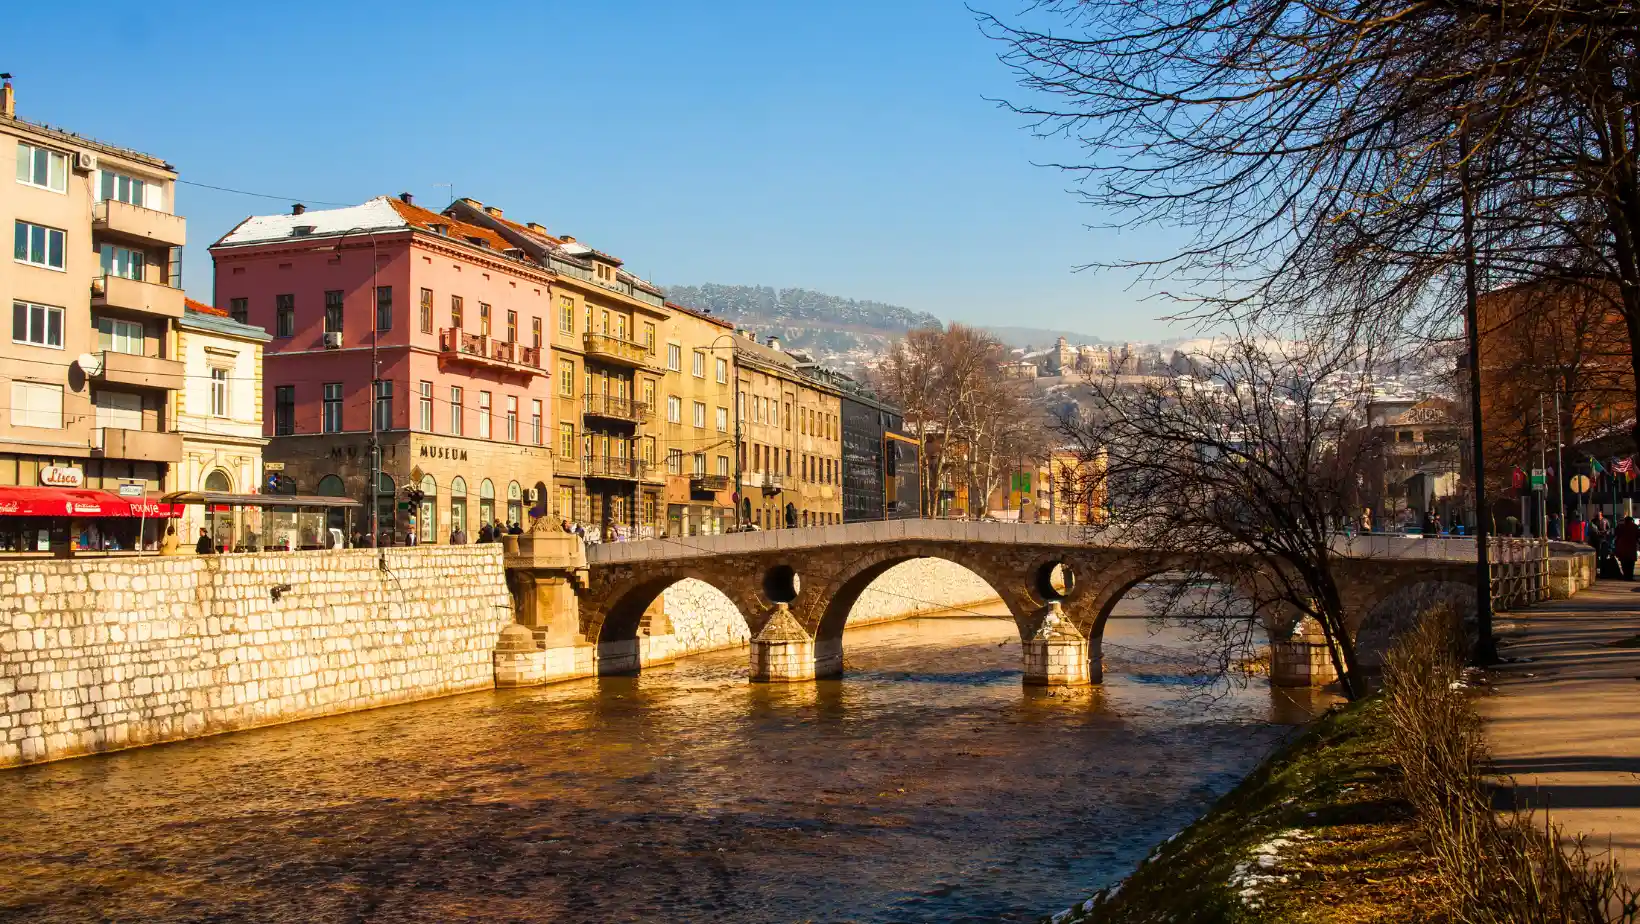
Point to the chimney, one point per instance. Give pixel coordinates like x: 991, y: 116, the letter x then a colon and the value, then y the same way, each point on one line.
x: 407, y: 199
x: 567, y: 239
x: 536, y: 228
x: 298, y: 209
x: 8, y: 98
x: 774, y: 342
x: 492, y: 211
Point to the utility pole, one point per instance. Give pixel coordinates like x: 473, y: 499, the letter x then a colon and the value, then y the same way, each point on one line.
x: 1486, y: 651
x: 375, y: 390
x: 1560, y: 464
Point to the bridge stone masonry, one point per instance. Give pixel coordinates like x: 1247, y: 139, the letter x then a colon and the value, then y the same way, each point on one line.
x: 597, y: 610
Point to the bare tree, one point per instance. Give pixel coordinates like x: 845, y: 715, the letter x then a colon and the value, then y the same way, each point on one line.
x: 1245, y: 468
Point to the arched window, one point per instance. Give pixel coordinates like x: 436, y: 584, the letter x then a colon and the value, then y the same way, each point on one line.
x: 331, y: 486
x: 427, y: 516
x: 220, y: 523
x: 515, y: 503
x: 541, y: 504
x: 386, y: 510
x: 486, y: 501
x: 218, y: 481
x: 458, y: 504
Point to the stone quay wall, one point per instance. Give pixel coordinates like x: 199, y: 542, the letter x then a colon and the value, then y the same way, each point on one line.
x: 102, y: 654
x: 704, y: 619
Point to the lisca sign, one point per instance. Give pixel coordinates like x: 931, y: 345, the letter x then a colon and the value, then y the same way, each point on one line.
x: 61, y: 476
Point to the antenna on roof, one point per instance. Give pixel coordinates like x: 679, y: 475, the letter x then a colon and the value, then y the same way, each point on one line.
x: 452, y: 188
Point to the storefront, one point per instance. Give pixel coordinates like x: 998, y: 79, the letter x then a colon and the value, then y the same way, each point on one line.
x: 70, y: 521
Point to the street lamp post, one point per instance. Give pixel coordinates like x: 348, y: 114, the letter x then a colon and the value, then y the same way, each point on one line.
x: 1486, y: 651
x: 375, y: 386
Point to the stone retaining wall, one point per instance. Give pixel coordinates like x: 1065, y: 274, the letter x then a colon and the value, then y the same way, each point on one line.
x: 100, y: 654
x: 704, y: 619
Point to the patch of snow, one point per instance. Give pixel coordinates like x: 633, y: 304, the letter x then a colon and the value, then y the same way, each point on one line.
x: 1249, y: 878
x: 377, y: 214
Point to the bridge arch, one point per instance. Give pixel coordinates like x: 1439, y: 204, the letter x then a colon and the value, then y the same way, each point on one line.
x: 631, y: 627
x: 836, y: 598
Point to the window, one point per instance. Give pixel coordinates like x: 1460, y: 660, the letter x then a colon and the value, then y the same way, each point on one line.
x: 700, y: 415
x: 426, y: 405
x: 674, y: 409
x: 42, y: 167
x: 649, y: 394
x: 566, y: 314
x: 483, y: 415
x: 535, y: 333
x: 119, y: 336
x: 457, y: 316
x: 774, y: 412
x: 649, y: 336
x: 333, y: 407
x: 536, y: 435
x: 788, y: 411
x: 426, y: 311
x: 455, y: 410
x: 40, y: 245
x: 285, y: 313
x: 566, y: 378
x: 699, y: 365
x: 649, y: 450
x: 699, y: 460
x: 605, y: 321
x: 284, y: 410
x: 620, y: 326
x: 566, y: 440
x: 384, y: 405
x: 483, y: 319
x: 723, y: 465
x: 36, y: 404
x: 723, y: 420
x: 458, y: 504
x: 123, y: 262
x: 674, y: 357
x: 127, y: 189
x: 40, y: 325
x: 384, y: 308
x: 674, y: 461
x: 512, y: 327
x: 333, y: 311
x: 219, y: 392
x: 240, y: 310
x: 512, y: 418
x: 723, y: 371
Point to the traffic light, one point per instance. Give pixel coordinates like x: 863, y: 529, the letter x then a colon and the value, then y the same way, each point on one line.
x: 414, y: 497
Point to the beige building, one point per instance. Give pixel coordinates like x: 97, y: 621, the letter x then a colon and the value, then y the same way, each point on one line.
x: 89, y: 373
x: 698, y: 433
x: 219, y: 415
x: 791, y: 440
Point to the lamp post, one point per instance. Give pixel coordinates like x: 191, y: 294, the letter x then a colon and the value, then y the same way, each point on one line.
x: 375, y: 386
x: 1486, y: 651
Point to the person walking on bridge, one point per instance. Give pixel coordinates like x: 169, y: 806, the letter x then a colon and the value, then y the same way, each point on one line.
x: 1627, y: 542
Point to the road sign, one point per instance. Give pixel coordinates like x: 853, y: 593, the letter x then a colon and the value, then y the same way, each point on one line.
x: 1580, y: 484
x: 1539, y: 479
x: 273, y: 466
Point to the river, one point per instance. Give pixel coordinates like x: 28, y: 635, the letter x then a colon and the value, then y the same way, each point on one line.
x: 926, y: 785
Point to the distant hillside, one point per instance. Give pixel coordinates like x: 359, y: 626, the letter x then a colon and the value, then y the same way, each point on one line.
x: 1037, y: 337
x: 830, y: 327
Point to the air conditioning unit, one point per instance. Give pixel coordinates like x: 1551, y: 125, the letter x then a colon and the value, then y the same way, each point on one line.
x: 85, y: 161
x: 333, y: 339
x: 532, y: 495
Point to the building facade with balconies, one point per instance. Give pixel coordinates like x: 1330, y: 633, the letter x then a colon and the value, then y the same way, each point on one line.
x: 90, y: 373
x: 791, y: 445
x: 430, y: 329
x: 698, y: 432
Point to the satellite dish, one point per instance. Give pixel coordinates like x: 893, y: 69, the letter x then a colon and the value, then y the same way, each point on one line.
x: 90, y: 363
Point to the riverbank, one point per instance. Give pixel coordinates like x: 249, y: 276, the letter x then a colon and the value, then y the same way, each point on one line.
x: 1317, y: 833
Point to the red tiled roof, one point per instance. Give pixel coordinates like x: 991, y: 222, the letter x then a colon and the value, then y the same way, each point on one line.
x: 700, y: 314
x: 203, y: 308
x: 460, y: 230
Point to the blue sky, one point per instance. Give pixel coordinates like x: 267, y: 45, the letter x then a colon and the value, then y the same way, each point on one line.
x: 843, y: 146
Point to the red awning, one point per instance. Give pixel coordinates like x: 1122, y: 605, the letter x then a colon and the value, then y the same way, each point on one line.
x: 78, y: 502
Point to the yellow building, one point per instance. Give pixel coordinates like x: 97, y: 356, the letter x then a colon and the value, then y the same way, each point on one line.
x: 697, y: 430
x: 791, y: 440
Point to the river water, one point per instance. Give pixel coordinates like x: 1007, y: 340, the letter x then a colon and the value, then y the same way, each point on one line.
x: 926, y: 785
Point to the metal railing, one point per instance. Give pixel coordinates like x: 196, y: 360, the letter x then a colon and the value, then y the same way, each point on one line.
x: 617, y: 407
x: 612, y: 466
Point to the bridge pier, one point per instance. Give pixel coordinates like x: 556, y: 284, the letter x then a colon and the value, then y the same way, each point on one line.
x: 1057, y: 655
x: 784, y: 652
x: 1302, y: 659
x: 545, y: 567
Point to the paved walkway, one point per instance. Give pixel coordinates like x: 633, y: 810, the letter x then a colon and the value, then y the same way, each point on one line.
x: 1566, y: 724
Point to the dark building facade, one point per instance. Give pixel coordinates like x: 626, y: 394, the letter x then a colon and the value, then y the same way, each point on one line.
x: 880, y: 463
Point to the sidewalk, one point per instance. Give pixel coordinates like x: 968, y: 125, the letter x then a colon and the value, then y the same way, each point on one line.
x: 1566, y: 725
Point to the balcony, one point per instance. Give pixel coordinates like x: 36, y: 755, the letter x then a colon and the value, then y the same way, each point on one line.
x: 139, y: 225
x: 140, y: 371
x: 616, y: 408
x: 136, y: 295
x: 615, y: 350
x: 147, y: 445
x: 626, y: 468
x: 479, y: 350
x: 700, y: 481
x: 772, y: 483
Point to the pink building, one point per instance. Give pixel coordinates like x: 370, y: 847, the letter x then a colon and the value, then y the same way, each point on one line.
x: 450, y: 316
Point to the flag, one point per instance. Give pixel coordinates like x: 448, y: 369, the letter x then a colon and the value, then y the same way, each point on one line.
x: 1517, y: 480
x: 1624, y: 466
x: 1595, y: 467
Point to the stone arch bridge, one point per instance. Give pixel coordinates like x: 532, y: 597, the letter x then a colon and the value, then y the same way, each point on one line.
x: 596, y: 611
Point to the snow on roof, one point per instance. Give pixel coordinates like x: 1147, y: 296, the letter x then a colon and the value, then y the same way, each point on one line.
x: 378, y: 214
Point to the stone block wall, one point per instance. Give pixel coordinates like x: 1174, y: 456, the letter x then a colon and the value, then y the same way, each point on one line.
x: 100, y: 654
x: 704, y: 620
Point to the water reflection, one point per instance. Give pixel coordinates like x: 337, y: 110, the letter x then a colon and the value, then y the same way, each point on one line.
x: 926, y: 785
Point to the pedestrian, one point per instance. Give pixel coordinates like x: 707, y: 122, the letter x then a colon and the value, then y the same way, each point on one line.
x: 457, y: 537
x: 566, y: 526
x: 1366, y: 520
x: 1554, y: 526
x: 581, y: 532
x: 204, y: 546
x: 484, y: 533
x: 513, y: 529
x: 168, y: 544
x: 1627, y: 541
